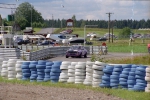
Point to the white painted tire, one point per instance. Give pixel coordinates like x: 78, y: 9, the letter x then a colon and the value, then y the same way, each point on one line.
x: 63, y: 80
x: 80, y: 66
x: 4, y: 71
x: 89, y: 63
x: 71, y: 67
x: 11, y: 64
x: 95, y: 84
x: 87, y: 83
x: 79, y: 80
x: 12, y: 72
x: 148, y: 70
x: 97, y: 67
x: 11, y: 78
x: 80, y: 70
x: 98, y: 72
x: 18, y: 69
x: 71, y: 80
x: 80, y: 77
x: 147, y: 79
x: 4, y: 62
x: 73, y: 63
x: 19, y: 76
x: 18, y: 65
x: 11, y: 68
x: 12, y: 60
x: 147, y: 74
x: 90, y: 70
x: 88, y: 77
x: 64, y: 71
x: 82, y: 63
x: 97, y: 76
x: 89, y: 74
x: 61, y: 74
x: 79, y: 74
x: 71, y: 74
x: 97, y: 80
x: 64, y: 67
x: 4, y: 74
x: 66, y: 63
x: 71, y: 70
x: 100, y: 63
x: 4, y: 66
x: 63, y: 77
x: 148, y: 85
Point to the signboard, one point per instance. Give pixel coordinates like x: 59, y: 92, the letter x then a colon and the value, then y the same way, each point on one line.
x: 69, y: 23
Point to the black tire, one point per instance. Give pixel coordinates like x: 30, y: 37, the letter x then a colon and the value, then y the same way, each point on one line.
x: 85, y: 56
x: 80, y: 55
x: 66, y: 56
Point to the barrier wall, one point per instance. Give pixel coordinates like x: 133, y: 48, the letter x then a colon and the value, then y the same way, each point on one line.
x: 96, y: 74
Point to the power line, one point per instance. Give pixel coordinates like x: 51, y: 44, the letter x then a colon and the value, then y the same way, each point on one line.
x: 109, y: 14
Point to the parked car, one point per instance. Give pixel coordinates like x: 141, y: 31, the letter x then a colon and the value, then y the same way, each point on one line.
x: 76, y: 51
x: 102, y: 39
x: 21, y: 41
x: 45, y: 42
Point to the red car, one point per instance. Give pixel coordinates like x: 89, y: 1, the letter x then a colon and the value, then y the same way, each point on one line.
x: 76, y: 51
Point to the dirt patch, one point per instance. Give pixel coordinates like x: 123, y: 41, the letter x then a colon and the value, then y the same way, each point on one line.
x: 30, y: 92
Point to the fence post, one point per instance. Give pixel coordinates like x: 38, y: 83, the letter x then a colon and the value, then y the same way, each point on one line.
x: 92, y: 50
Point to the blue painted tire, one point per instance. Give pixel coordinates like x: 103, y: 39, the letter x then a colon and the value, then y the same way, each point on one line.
x: 127, y: 69
x: 106, y: 74
x: 25, y: 63
x: 123, y: 86
x: 26, y: 74
x: 141, y: 84
x: 141, y: 81
x: 33, y: 75
x: 26, y: 71
x: 133, y: 70
x: 47, y: 76
x: 32, y: 78
x: 33, y: 69
x: 25, y: 79
x: 46, y: 79
x: 32, y: 66
x: 135, y: 66
x: 49, y: 63
x: 54, y: 77
x: 47, y: 70
x: 40, y: 78
x: 104, y: 85
x: 25, y: 66
x: 140, y: 73
x: 105, y: 82
x: 130, y: 86
x: 54, y: 81
x: 106, y: 78
x: 116, y: 73
x: 114, y: 84
x: 123, y: 76
x: 41, y: 70
x: 41, y: 75
x: 125, y: 72
x: 54, y: 74
x: 142, y: 66
x: 108, y: 71
x: 123, y: 83
x: 126, y: 66
x: 55, y: 66
x: 123, y: 79
x: 109, y: 67
x: 117, y: 69
x: 114, y: 76
x: 42, y: 62
x: 118, y: 66
x: 56, y: 70
x: 34, y: 62
x: 131, y: 82
x: 131, y: 73
x: 33, y: 72
x: 139, y: 77
x: 57, y: 62
x: 40, y: 66
x: 114, y: 80
x: 131, y: 77
x: 48, y: 67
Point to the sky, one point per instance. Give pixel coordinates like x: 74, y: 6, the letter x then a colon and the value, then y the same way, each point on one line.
x: 86, y: 9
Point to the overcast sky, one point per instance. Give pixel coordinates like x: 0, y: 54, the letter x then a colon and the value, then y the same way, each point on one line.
x: 87, y: 9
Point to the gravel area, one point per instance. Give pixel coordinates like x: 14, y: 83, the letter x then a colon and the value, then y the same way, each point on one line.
x: 30, y: 92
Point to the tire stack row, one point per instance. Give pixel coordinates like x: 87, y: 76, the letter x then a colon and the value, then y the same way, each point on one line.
x: 26, y: 73
x: 11, y: 69
x: 131, y: 78
x: 147, y: 78
x: 41, y: 66
x: 55, y: 71
x: 1, y: 62
x: 89, y: 73
x: 4, y: 70
x: 47, y: 71
x: 106, y: 77
x: 140, y: 74
x: 80, y: 72
x: 64, y: 71
x: 123, y: 79
x: 114, y: 78
x: 19, y: 69
x: 97, y: 73
x: 71, y: 72
x: 33, y: 70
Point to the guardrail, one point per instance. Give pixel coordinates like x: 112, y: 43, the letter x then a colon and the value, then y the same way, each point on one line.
x: 55, y: 51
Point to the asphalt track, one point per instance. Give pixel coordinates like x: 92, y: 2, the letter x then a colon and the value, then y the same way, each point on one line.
x: 108, y: 56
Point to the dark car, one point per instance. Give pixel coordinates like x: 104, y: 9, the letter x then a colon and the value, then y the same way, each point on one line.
x: 76, y: 51
x: 45, y: 42
x: 102, y: 39
x: 21, y: 41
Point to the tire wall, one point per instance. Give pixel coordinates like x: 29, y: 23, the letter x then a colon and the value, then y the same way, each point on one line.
x: 95, y: 74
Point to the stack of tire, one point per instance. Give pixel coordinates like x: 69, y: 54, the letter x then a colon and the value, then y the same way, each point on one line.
x: 140, y: 74
x: 4, y: 70
x: 11, y: 69
x: 64, y: 71
x: 41, y: 66
x: 33, y: 70
x: 19, y: 69
x: 131, y: 78
x: 147, y: 78
x: 97, y: 73
x: 47, y: 71
x: 71, y: 72
x: 26, y: 73
x: 55, y: 71
x: 106, y: 77
x: 114, y: 78
x: 123, y: 79
x: 80, y: 72
x: 89, y: 73
x: 1, y: 62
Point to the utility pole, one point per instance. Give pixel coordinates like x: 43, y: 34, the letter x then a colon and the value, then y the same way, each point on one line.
x: 52, y: 23
x: 109, y: 14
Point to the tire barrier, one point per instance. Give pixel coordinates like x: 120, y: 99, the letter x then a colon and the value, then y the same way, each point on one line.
x: 47, y: 71
x: 33, y: 70
x: 11, y: 69
x: 97, y: 73
x: 107, y: 76
x: 55, y: 71
x: 1, y: 62
x: 64, y: 71
x: 26, y: 73
x: 89, y: 73
x: 71, y: 72
x: 41, y: 66
x: 4, y: 70
x: 80, y: 72
x: 147, y: 78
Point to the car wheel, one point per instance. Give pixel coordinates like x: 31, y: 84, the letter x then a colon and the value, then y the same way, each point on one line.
x: 85, y: 56
x: 66, y: 56
x: 80, y: 55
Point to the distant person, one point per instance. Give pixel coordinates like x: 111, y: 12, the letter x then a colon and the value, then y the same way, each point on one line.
x: 103, y: 44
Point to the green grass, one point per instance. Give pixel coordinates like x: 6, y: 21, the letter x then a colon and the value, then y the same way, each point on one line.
x: 124, y: 94
x: 37, y: 30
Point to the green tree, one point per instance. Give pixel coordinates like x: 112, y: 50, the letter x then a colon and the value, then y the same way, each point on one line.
x: 26, y: 12
x: 74, y: 20
x: 125, y: 32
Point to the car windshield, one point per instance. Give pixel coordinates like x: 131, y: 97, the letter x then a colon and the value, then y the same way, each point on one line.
x: 75, y: 47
